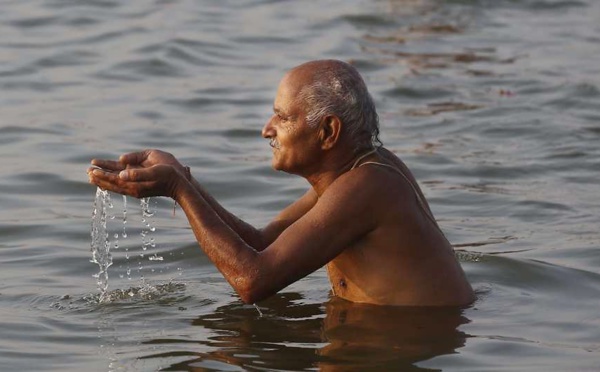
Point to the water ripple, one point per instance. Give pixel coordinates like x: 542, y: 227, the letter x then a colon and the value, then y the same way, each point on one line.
x: 141, y: 69
x: 34, y: 22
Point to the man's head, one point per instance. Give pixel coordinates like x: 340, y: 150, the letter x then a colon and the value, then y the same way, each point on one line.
x: 332, y: 87
x: 319, y: 106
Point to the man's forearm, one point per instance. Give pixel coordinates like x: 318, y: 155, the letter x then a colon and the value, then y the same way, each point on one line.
x: 235, y: 258
x: 251, y: 235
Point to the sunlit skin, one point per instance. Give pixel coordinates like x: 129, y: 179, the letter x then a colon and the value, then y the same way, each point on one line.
x: 364, y: 224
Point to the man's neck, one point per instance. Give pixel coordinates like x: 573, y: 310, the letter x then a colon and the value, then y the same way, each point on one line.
x: 334, y: 165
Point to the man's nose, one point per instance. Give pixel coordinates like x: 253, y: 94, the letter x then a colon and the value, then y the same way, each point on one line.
x: 268, y: 131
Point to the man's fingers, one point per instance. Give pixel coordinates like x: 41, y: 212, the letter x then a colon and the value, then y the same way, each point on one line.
x: 112, y: 182
x: 138, y: 174
x: 103, y: 174
x: 103, y: 179
x: 108, y: 164
x: 124, y: 175
x: 134, y: 158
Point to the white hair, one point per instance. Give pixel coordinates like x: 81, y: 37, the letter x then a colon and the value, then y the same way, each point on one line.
x: 338, y: 89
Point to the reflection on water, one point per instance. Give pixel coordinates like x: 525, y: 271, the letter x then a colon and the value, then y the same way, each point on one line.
x: 336, y: 336
x: 380, y: 338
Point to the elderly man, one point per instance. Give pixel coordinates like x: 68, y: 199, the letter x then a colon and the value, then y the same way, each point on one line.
x: 364, y: 217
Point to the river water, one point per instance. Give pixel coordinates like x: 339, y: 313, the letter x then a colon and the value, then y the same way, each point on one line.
x: 494, y: 105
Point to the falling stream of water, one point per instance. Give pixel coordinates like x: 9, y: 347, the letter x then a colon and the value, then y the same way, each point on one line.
x: 101, y: 244
x: 100, y: 241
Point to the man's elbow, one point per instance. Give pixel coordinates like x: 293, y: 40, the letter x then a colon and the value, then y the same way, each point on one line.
x: 252, y: 289
x: 250, y: 297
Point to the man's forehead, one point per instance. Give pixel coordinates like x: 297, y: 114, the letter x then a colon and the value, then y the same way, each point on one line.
x: 292, y: 82
x: 301, y: 76
x: 287, y: 92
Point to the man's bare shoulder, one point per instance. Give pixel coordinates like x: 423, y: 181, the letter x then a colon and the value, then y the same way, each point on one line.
x: 370, y: 183
x: 375, y: 195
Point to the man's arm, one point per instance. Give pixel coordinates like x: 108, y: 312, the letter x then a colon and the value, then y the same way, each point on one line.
x: 288, y: 216
x: 307, y: 244
x: 259, y: 239
x: 251, y: 235
x: 349, y: 209
x: 256, y: 238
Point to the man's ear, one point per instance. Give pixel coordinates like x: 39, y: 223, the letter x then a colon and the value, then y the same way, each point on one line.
x: 329, y: 132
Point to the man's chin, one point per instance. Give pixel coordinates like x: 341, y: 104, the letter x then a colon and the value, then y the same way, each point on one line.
x: 278, y: 166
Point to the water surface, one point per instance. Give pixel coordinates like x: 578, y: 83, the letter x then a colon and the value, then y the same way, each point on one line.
x: 492, y: 104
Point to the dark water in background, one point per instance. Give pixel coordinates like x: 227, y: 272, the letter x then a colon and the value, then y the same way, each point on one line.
x: 492, y: 104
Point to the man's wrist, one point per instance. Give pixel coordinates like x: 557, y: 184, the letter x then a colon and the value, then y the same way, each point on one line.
x: 180, y: 185
x: 178, y: 182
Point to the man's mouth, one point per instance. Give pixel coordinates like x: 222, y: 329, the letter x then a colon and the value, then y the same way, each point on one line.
x: 274, y: 143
